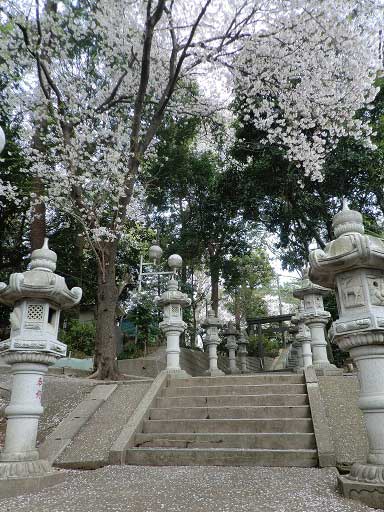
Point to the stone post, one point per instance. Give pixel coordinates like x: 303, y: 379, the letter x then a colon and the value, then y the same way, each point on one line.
x: 230, y: 334
x: 172, y: 301
x: 296, y: 345
x: 242, y: 342
x: 353, y: 265
x: 316, y: 318
x: 38, y: 296
x: 303, y: 336
x: 211, y: 325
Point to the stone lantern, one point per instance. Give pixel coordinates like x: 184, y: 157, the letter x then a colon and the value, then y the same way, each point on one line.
x: 38, y: 295
x: 230, y: 333
x: 316, y: 318
x: 353, y: 265
x: 297, y: 349
x: 242, y: 342
x: 172, y: 301
x: 211, y: 325
x: 303, y: 337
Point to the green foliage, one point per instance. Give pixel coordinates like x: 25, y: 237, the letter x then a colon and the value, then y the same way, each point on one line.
x: 293, y: 206
x: 271, y: 346
x: 79, y: 337
x: 245, y: 277
x: 145, y: 316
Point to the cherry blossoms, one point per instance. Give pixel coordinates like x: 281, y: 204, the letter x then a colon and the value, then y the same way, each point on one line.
x: 307, y: 71
x: 95, y: 81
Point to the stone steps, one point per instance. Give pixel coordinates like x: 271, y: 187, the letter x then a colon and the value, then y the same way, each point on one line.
x: 230, y: 425
x: 275, y: 441
x: 220, y: 457
x: 232, y: 400
x: 259, y: 420
x: 236, y: 389
x: 239, y: 379
x: 249, y: 412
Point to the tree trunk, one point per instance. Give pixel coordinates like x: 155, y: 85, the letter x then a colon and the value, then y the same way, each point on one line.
x: 215, y: 276
x: 105, y: 365
x: 237, y: 309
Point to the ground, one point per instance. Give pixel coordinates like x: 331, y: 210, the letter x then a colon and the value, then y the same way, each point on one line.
x: 190, y: 489
x: 61, y: 395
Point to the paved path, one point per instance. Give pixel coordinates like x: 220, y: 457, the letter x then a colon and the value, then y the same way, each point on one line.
x: 190, y: 489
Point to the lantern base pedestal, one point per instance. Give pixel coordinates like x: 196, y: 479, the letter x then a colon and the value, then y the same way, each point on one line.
x: 176, y: 373
x: 214, y: 373
x: 370, y: 493
x: 22, y: 477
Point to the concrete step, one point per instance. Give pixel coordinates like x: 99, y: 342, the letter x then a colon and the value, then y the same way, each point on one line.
x: 260, y: 389
x: 220, y: 457
x: 229, y: 425
x: 275, y: 441
x: 275, y: 411
x: 239, y: 379
x: 232, y: 400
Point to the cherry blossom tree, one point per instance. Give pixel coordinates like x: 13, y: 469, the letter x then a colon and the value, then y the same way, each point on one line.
x: 94, y: 80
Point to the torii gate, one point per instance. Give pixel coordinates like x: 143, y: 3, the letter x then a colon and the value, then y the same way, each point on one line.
x: 255, y: 324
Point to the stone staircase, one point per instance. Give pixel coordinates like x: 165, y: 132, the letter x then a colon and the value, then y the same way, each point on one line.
x: 259, y: 420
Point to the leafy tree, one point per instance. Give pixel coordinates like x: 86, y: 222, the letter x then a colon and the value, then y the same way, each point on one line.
x: 297, y: 208
x: 99, y: 79
x: 245, y: 277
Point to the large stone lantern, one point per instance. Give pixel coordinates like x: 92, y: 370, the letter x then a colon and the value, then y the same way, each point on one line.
x: 242, y: 342
x: 230, y: 333
x: 353, y: 265
x: 172, y: 301
x: 316, y: 318
x: 38, y: 295
x: 211, y: 325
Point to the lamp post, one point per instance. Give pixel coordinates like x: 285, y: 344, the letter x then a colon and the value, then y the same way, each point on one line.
x: 353, y: 265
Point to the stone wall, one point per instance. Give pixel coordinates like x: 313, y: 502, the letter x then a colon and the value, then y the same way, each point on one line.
x: 340, y: 395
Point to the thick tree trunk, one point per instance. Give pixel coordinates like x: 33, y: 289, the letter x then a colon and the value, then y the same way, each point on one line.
x: 107, y: 294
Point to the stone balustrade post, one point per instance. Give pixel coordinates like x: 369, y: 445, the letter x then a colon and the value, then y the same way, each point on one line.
x: 230, y: 334
x: 172, y: 301
x: 38, y: 296
x: 316, y: 318
x: 353, y: 265
x: 211, y: 325
x: 242, y: 342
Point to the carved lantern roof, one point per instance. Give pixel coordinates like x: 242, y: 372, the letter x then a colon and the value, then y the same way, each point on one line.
x: 309, y: 288
x: 173, y: 296
x: 350, y: 250
x: 211, y: 320
x: 40, y: 282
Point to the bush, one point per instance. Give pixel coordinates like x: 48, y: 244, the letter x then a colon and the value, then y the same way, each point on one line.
x: 79, y: 338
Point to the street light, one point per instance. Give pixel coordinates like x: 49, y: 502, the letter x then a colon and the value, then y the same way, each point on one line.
x: 155, y: 252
